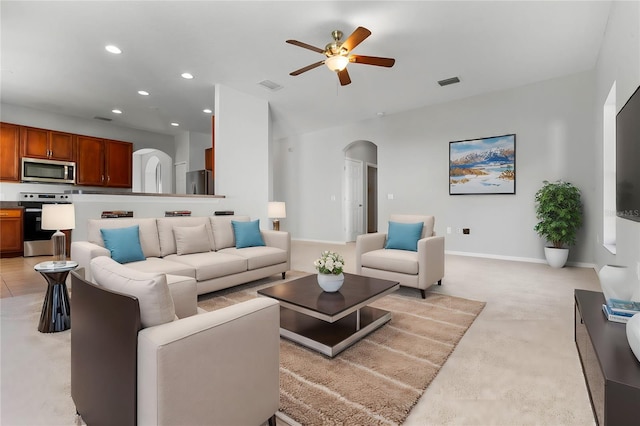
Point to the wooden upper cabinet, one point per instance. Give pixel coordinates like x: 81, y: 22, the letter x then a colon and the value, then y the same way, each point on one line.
x: 208, y: 159
x: 104, y: 162
x: 9, y: 152
x: 90, y: 164
x: 49, y: 144
x: 118, y: 163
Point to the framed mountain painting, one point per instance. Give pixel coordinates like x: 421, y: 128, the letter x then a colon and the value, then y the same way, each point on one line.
x: 483, y: 166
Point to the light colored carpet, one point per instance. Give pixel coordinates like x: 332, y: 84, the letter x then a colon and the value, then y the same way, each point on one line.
x: 379, y: 379
x: 517, y: 363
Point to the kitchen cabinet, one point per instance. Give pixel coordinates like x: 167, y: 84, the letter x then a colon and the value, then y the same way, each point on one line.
x: 103, y: 162
x: 9, y: 152
x: 48, y: 144
x: 11, y: 244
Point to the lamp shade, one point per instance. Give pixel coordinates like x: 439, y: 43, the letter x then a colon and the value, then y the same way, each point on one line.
x: 276, y: 209
x: 58, y: 216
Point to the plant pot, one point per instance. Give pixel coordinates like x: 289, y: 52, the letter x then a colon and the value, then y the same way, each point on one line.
x: 616, y: 282
x: 556, y: 257
x: 330, y: 282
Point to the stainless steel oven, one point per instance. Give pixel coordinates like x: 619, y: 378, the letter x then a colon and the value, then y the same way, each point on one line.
x: 37, y: 241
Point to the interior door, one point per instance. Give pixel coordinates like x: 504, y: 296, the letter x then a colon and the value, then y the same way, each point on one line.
x: 353, y: 199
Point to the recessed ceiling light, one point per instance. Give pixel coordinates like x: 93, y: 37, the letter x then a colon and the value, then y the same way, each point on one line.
x: 113, y: 49
x: 143, y: 93
x: 175, y: 124
x: 116, y: 111
x: 186, y: 75
x: 207, y: 111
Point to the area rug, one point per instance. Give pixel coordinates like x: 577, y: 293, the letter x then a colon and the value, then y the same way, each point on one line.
x: 379, y: 379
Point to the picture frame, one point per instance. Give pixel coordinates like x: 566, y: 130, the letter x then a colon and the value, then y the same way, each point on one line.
x: 483, y: 166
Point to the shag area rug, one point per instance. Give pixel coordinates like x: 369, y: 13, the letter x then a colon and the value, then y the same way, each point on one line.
x: 379, y: 379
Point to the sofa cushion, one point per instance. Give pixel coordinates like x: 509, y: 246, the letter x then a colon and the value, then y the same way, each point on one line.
x: 167, y: 236
x: 123, y: 243
x: 259, y: 257
x: 164, y: 266
x: 192, y: 239
x: 404, y: 236
x: 149, y: 240
x: 403, y: 261
x: 151, y: 290
x: 223, y: 230
x: 212, y: 264
x: 247, y: 234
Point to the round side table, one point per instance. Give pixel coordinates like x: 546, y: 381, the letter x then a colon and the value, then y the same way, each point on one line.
x: 56, y: 310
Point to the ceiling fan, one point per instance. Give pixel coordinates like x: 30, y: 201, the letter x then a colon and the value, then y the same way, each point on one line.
x: 338, y: 54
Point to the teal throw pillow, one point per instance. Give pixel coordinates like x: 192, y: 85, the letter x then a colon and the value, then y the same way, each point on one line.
x: 404, y: 236
x: 247, y: 234
x: 123, y: 243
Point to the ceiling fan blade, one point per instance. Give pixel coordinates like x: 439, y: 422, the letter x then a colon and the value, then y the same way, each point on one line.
x: 356, y: 38
x: 344, y: 78
x: 305, y: 45
x: 307, y: 68
x: 372, y: 60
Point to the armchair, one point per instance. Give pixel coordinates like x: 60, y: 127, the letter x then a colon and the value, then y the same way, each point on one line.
x: 219, y: 367
x: 417, y: 269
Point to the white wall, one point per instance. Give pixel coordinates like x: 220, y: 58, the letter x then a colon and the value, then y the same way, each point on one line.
x: 242, y: 151
x: 552, y: 121
x: 619, y: 62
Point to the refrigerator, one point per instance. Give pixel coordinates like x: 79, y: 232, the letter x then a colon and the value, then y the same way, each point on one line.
x: 200, y: 182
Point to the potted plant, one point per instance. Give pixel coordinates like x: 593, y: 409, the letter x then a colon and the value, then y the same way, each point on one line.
x: 559, y: 210
x: 330, y: 266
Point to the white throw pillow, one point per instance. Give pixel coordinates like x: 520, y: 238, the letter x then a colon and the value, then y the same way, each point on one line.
x: 191, y: 239
x: 151, y: 290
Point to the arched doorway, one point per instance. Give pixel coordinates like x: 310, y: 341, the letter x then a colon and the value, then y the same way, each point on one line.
x: 152, y: 172
x: 360, y: 201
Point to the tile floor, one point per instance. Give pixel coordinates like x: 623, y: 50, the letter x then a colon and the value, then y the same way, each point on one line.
x: 19, y: 278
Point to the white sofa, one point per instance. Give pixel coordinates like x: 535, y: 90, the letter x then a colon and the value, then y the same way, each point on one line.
x: 217, y: 266
x: 418, y: 269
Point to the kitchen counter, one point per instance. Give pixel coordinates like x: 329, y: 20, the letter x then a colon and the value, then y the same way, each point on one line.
x: 140, y: 194
x: 10, y: 205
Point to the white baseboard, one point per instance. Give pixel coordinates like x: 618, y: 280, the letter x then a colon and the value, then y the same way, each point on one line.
x: 516, y: 258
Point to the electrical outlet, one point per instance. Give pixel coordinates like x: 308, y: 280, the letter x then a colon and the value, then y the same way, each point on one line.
x: 448, y: 229
x: 458, y: 230
x: 466, y: 231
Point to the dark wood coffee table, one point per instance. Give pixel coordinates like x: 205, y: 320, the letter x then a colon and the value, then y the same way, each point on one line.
x: 330, y: 322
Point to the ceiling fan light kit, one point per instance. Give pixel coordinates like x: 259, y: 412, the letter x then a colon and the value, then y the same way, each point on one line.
x: 339, y: 54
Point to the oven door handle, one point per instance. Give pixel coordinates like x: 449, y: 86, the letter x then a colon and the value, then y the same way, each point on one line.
x: 32, y: 210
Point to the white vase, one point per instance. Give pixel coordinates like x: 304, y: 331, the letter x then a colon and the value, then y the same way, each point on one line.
x: 330, y: 282
x: 556, y: 257
x: 615, y: 282
x: 633, y: 334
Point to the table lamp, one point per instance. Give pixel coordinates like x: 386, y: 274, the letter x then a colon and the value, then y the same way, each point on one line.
x: 58, y: 217
x: 276, y: 210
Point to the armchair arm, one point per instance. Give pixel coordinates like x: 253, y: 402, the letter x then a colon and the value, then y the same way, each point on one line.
x: 368, y: 242
x: 83, y: 251
x: 222, y: 367
x: 430, y: 261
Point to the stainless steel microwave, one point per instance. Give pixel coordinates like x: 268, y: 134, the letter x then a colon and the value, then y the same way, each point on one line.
x: 51, y: 171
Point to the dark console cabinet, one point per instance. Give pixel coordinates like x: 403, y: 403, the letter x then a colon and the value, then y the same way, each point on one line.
x: 611, y: 371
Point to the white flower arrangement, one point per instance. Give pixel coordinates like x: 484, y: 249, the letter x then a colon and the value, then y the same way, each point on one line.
x: 329, y: 263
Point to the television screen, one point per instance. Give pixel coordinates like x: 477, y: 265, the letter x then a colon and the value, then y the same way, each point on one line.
x: 628, y: 159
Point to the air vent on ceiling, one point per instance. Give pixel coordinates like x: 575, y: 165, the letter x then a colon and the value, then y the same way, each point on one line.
x: 448, y: 81
x: 270, y: 85
x: 103, y: 118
